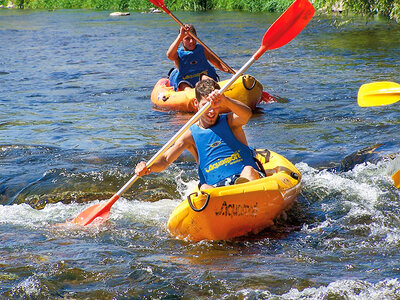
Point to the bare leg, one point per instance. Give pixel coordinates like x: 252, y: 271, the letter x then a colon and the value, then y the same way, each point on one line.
x: 183, y: 86
x: 206, y: 186
x: 204, y: 76
x: 250, y: 173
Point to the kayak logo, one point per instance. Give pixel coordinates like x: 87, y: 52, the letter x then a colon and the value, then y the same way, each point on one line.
x: 237, y: 210
x: 215, y: 144
x: 233, y: 159
x: 195, y: 75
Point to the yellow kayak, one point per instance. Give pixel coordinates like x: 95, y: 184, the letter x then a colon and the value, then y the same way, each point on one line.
x: 227, y: 212
x: 246, y: 89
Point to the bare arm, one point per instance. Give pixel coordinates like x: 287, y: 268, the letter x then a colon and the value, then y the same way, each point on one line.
x: 172, y: 53
x: 241, y: 113
x: 239, y: 116
x: 185, y: 142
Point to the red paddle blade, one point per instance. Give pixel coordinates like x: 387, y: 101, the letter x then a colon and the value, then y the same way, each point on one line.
x: 160, y: 4
x: 157, y: 2
x: 287, y: 26
x: 267, y: 98
x: 98, y: 212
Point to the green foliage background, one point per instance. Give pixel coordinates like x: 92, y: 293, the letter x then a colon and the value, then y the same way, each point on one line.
x: 386, y: 8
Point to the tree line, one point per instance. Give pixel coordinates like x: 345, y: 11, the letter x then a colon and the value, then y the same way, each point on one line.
x: 389, y: 9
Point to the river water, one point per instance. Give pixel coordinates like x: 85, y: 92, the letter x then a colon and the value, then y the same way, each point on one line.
x: 76, y: 117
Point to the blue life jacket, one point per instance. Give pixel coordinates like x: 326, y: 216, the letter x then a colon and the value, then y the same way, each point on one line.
x: 192, y: 64
x: 220, y: 153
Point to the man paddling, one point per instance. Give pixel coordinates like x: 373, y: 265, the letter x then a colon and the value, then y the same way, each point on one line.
x: 217, y: 142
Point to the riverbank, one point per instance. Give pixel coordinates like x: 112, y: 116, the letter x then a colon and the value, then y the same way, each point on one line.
x: 145, y: 5
x: 385, y: 8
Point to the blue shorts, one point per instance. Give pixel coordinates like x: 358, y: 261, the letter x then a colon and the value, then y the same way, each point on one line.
x: 227, y: 181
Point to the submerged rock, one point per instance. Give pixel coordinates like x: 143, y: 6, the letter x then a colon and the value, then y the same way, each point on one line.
x: 155, y: 10
x: 361, y: 156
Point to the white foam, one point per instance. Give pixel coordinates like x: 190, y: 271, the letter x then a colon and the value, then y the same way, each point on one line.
x: 393, y: 166
x: 349, y: 289
x: 359, y: 182
x: 357, y: 200
x: 139, y: 211
x: 151, y: 213
x: 341, y: 289
x: 30, y: 286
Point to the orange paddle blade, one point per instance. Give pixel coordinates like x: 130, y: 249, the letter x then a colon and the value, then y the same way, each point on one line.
x: 396, y: 179
x: 98, y: 212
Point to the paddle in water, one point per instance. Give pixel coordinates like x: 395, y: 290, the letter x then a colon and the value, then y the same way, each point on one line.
x: 284, y: 29
x: 378, y: 94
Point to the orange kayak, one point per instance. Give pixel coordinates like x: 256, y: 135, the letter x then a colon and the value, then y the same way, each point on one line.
x: 227, y: 212
x: 246, y: 89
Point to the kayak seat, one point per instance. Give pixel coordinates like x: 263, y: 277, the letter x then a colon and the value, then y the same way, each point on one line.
x: 261, y: 158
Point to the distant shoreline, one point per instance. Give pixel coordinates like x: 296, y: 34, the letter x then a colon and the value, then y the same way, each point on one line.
x: 147, y: 6
x: 387, y: 10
